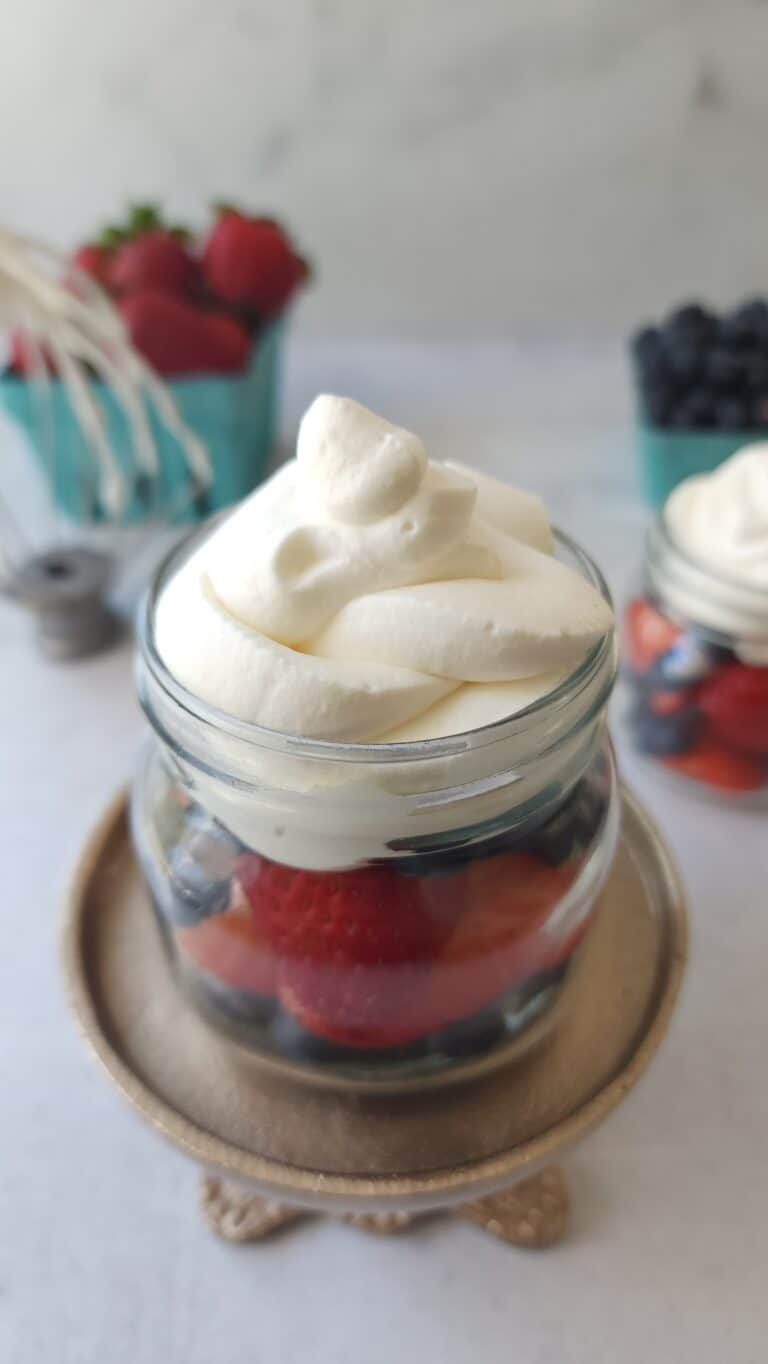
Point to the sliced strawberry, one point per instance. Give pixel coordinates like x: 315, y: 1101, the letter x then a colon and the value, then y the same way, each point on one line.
x: 352, y: 947
x: 735, y: 702
x: 251, y: 262
x: 648, y: 634
x: 153, y: 260
x: 94, y: 260
x: 714, y: 765
x: 501, y: 938
x: 229, y: 947
x: 178, y: 338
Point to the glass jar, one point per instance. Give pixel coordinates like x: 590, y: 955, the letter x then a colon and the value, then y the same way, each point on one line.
x: 369, y: 912
x: 696, y: 657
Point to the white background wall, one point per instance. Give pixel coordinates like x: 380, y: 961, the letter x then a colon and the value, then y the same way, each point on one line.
x: 456, y: 167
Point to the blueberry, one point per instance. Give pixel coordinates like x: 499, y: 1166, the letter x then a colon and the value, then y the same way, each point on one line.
x: 746, y: 325
x: 571, y: 829
x: 200, y: 866
x: 757, y: 372
x: 725, y: 371
x: 692, y: 320
x: 469, y: 1036
x: 193, y: 894
x: 686, y: 361
x: 661, y: 736
x: 239, y: 1006
x: 732, y: 414
x: 694, y: 412
x: 646, y: 345
x: 292, y: 1040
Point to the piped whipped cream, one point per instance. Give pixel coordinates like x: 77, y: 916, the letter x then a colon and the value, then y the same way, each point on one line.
x: 721, y: 518
x: 366, y: 593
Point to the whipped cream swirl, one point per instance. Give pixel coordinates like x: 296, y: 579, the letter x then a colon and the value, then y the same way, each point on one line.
x: 366, y: 593
x: 722, y: 518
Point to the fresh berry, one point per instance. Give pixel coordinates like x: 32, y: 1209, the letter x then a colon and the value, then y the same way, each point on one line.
x: 352, y: 947
x: 229, y: 947
x: 696, y: 410
x: 686, y: 361
x: 501, y: 938
x: 646, y: 345
x: 648, y: 634
x: 746, y: 325
x: 691, y: 321
x: 732, y: 414
x: 661, y: 732
x: 94, y: 260
x: 471, y: 1036
x: 251, y: 262
x: 714, y: 765
x: 735, y: 703
x: 156, y: 260
x: 200, y: 866
x: 725, y: 371
x: 571, y: 830
x: 28, y: 357
x: 177, y: 338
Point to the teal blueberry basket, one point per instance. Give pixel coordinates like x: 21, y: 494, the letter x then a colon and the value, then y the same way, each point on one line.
x: 234, y: 415
x: 667, y: 457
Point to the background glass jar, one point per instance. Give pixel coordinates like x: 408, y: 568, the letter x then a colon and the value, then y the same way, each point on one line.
x: 696, y: 658
x: 376, y: 912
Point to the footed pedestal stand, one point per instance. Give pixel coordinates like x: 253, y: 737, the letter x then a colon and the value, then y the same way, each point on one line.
x: 274, y: 1151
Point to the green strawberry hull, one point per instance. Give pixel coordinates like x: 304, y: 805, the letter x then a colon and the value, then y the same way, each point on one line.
x: 234, y: 415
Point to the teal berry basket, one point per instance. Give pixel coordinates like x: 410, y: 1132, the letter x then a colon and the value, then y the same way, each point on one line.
x: 234, y: 415
x: 667, y: 457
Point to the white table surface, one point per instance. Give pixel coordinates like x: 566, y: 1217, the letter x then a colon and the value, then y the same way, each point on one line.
x: 103, y: 1255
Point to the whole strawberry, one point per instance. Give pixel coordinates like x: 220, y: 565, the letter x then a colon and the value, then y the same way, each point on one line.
x: 149, y: 255
x: 178, y: 338
x: 251, y: 263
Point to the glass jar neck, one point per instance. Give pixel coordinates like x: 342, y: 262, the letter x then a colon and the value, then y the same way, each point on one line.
x: 690, y: 592
x: 261, y: 783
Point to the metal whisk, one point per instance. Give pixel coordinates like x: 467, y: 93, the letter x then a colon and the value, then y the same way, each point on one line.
x: 71, y: 327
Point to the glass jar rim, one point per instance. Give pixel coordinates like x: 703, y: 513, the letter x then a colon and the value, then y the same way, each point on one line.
x: 751, y: 591
x: 599, y: 658
x: 686, y: 582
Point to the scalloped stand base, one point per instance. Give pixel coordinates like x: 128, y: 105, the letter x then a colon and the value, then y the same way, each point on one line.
x: 533, y: 1213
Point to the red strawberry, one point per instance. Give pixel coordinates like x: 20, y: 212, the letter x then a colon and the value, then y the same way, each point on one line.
x: 735, y: 702
x: 501, y: 938
x: 251, y: 262
x: 714, y: 765
x: 228, y: 946
x: 352, y: 947
x: 177, y: 338
x: 28, y: 357
x: 648, y: 634
x: 153, y: 260
x: 94, y: 260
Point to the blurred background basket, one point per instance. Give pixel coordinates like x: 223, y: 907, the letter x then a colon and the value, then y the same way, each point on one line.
x: 234, y: 415
x: 667, y: 457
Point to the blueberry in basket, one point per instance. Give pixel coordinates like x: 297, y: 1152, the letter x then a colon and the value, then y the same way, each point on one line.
x: 701, y: 384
